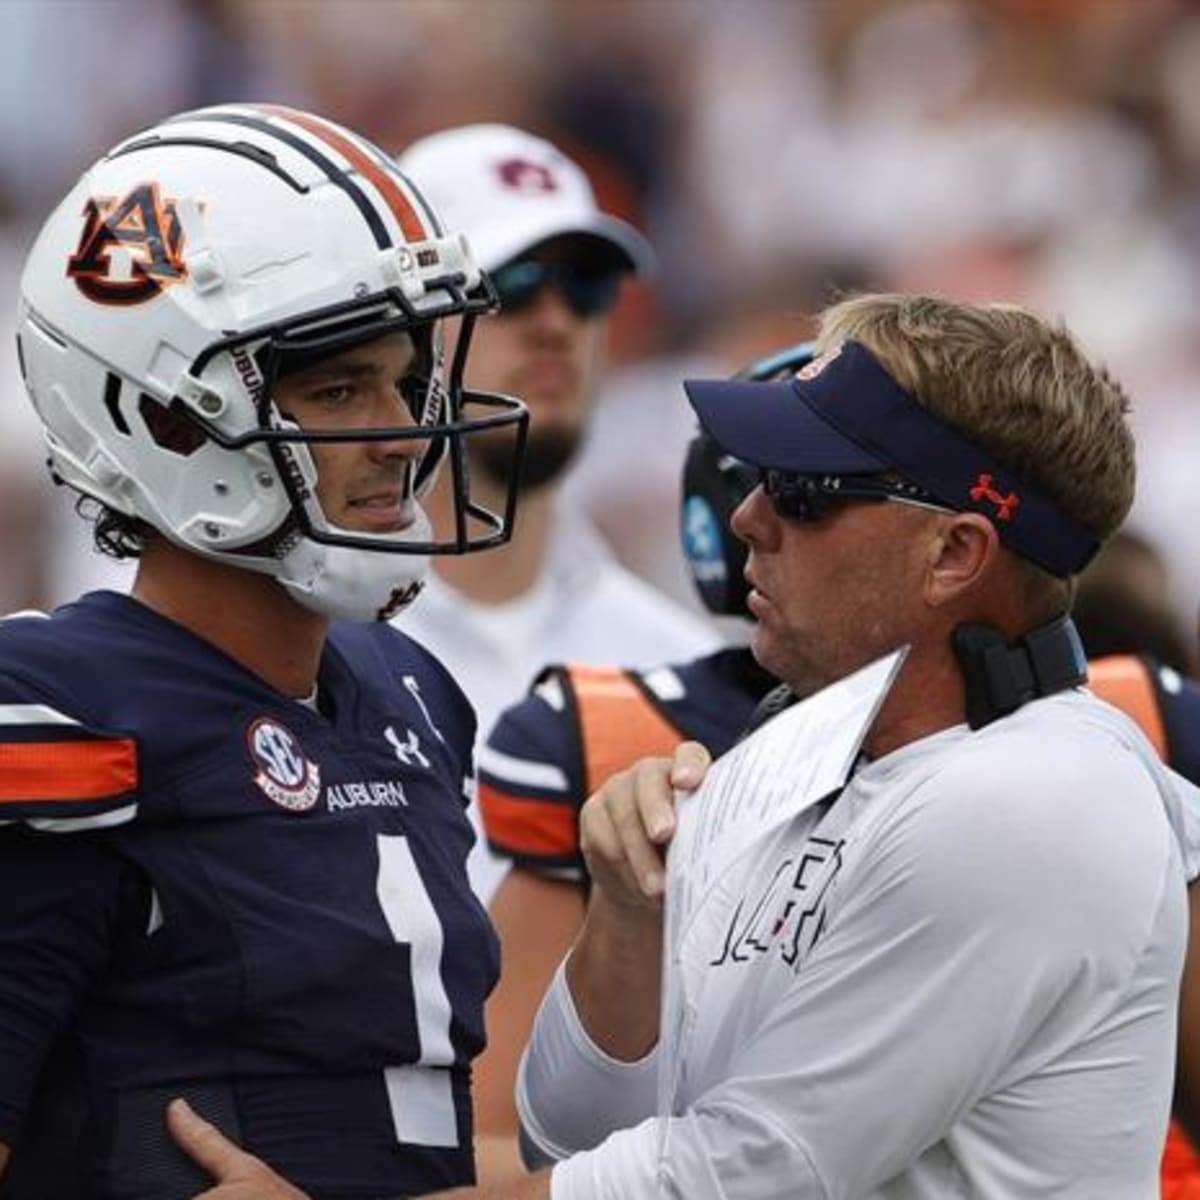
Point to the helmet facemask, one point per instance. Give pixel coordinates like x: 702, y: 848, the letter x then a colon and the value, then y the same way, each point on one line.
x: 315, y: 557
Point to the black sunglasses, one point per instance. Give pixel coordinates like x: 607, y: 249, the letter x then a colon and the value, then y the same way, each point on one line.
x: 587, y: 291
x: 812, y: 497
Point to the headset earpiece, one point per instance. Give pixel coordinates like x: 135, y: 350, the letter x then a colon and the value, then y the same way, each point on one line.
x: 713, y: 486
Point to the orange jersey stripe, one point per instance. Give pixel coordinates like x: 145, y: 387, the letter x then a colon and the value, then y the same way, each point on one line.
x: 57, y: 772
x: 1180, y: 1167
x: 410, y: 222
x: 526, y: 826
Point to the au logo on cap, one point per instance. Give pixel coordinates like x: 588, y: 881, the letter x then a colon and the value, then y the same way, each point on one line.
x: 813, y: 368
x: 524, y: 176
x: 130, y: 249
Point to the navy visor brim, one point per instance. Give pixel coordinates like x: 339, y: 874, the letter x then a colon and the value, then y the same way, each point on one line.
x: 769, y: 425
x: 845, y: 415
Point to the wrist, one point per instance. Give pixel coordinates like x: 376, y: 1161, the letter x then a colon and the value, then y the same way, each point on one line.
x: 613, y: 975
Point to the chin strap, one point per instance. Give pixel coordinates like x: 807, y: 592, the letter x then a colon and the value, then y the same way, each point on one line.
x: 1000, y: 675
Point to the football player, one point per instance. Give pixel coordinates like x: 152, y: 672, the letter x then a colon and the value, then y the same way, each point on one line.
x: 232, y: 837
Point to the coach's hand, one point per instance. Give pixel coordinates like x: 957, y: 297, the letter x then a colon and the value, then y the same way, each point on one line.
x: 625, y: 826
x: 238, y: 1175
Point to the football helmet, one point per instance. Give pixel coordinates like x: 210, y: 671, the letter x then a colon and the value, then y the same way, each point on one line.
x: 185, y: 270
x: 714, y: 484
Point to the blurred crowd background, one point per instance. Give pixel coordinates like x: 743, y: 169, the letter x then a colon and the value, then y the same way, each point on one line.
x: 777, y: 152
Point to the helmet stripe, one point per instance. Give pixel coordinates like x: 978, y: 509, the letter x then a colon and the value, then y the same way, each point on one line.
x: 385, y: 184
x: 336, y: 174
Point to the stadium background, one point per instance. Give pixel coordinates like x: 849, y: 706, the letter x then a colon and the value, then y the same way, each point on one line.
x: 1044, y: 151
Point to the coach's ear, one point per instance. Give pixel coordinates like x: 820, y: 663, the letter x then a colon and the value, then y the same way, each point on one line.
x: 962, y: 552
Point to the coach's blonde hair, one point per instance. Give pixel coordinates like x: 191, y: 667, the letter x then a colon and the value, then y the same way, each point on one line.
x: 1014, y: 384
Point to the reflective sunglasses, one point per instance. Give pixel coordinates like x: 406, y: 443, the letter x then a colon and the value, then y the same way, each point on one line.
x: 813, y: 497
x: 587, y: 291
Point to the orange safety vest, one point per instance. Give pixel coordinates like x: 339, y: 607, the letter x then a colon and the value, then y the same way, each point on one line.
x: 1124, y: 681
x: 618, y: 724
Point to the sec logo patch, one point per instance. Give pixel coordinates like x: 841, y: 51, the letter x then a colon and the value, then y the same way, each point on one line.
x: 282, y: 769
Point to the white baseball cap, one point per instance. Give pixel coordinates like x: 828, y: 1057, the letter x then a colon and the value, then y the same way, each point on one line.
x: 509, y: 191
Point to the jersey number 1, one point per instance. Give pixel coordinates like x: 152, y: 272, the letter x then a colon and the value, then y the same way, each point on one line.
x: 420, y: 1095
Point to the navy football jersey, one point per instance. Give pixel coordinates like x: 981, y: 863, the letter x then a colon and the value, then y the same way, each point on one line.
x: 579, y: 725
x: 210, y: 890
x: 1179, y: 701
x: 1164, y: 703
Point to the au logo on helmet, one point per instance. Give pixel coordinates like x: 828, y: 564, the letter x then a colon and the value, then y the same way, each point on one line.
x: 131, y: 247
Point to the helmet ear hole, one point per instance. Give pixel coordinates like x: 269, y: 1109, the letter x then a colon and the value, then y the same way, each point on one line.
x: 112, y: 402
x: 714, y: 485
x: 170, y: 428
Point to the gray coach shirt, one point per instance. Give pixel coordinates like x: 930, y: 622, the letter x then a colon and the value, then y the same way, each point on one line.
x: 958, y: 981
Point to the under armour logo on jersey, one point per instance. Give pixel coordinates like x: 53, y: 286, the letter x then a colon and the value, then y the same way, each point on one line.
x: 409, y: 751
x: 525, y: 176
x: 985, y: 489
x: 130, y: 249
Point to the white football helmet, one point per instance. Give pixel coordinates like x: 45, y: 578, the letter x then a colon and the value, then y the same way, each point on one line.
x: 161, y: 299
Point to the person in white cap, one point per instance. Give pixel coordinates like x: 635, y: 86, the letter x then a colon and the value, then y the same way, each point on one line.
x: 556, y: 593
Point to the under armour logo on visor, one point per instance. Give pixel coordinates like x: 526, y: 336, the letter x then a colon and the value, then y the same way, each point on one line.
x: 525, y: 176
x: 985, y: 489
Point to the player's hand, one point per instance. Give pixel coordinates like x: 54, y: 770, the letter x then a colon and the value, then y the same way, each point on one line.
x: 625, y: 826
x: 238, y: 1175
